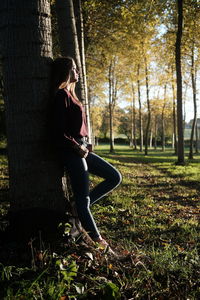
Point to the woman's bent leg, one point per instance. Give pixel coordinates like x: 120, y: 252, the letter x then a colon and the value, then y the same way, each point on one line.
x: 78, y: 173
x: 112, y: 177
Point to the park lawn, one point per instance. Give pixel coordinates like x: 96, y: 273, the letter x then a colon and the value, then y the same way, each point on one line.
x: 152, y: 222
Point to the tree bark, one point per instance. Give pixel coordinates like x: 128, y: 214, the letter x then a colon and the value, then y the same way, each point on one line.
x: 193, y: 79
x: 72, y: 44
x: 155, y: 137
x: 174, y: 116
x: 149, y: 109
x: 140, y: 110
x: 163, y: 119
x: 67, y: 46
x: 197, y: 139
x: 34, y: 173
x: 68, y: 37
x: 111, y: 106
x: 150, y: 139
x: 133, y: 122
x: 181, y: 159
x: 82, y: 54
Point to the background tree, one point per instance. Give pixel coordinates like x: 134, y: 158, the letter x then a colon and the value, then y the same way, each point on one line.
x: 181, y: 158
x: 72, y: 44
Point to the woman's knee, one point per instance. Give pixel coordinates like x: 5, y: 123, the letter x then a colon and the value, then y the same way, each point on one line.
x: 116, y: 178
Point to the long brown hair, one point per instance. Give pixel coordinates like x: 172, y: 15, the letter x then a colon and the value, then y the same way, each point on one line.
x: 60, y: 77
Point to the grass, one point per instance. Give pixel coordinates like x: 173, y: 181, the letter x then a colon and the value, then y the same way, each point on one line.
x: 151, y: 220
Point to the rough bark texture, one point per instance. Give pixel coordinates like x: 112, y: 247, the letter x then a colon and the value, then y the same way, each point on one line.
x: 35, y: 176
x: 181, y: 159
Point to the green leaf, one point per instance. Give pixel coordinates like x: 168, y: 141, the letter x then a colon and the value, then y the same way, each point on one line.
x: 111, y: 291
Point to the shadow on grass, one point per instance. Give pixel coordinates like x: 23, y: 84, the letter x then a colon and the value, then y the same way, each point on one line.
x: 139, y: 158
x: 153, y: 158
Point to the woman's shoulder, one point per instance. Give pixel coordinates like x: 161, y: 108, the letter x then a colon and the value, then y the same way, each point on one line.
x: 62, y: 96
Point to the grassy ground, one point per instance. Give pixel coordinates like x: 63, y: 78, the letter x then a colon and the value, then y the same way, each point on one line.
x: 152, y: 222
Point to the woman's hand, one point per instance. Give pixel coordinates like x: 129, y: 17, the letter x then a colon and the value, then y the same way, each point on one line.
x: 81, y: 150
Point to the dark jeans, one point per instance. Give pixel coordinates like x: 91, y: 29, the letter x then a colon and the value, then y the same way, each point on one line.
x: 78, y: 169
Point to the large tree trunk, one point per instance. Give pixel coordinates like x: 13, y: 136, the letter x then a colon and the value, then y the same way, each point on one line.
x: 149, y: 109
x: 181, y: 158
x: 140, y: 110
x: 35, y: 176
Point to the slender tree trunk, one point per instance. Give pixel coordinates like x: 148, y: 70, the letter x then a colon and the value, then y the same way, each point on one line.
x: 163, y: 131
x: 174, y: 115
x: 163, y: 119
x: 67, y: 46
x: 34, y: 174
x: 140, y: 110
x: 69, y: 39
x: 77, y: 54
x: 73, y: 45
x: 181, y: 159
x: 133, y: 134
x: 193, y: 78
x: 132, y: 125
x: 197, y: 139
x: 150, y: 139
x: 111, y: 107
x: 156, y: 129
x: 149, y: 109
x: 83, y: 63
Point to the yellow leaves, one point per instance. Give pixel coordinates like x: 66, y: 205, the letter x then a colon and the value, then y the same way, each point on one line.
x: 179, y: 248
x: 64, y: 298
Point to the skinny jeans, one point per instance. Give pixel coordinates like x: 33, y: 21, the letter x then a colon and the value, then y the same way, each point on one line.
x: 78, y: 170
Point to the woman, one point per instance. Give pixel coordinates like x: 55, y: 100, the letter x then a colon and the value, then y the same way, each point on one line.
x: 73, y: 150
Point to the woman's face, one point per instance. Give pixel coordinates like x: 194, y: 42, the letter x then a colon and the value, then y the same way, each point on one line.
x: 74, y: 73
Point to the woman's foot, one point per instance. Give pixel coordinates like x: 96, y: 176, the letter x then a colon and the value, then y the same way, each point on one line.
x: 102, y: 243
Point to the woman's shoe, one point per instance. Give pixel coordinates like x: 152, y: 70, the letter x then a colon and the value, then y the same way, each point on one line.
x: 103, y: 245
